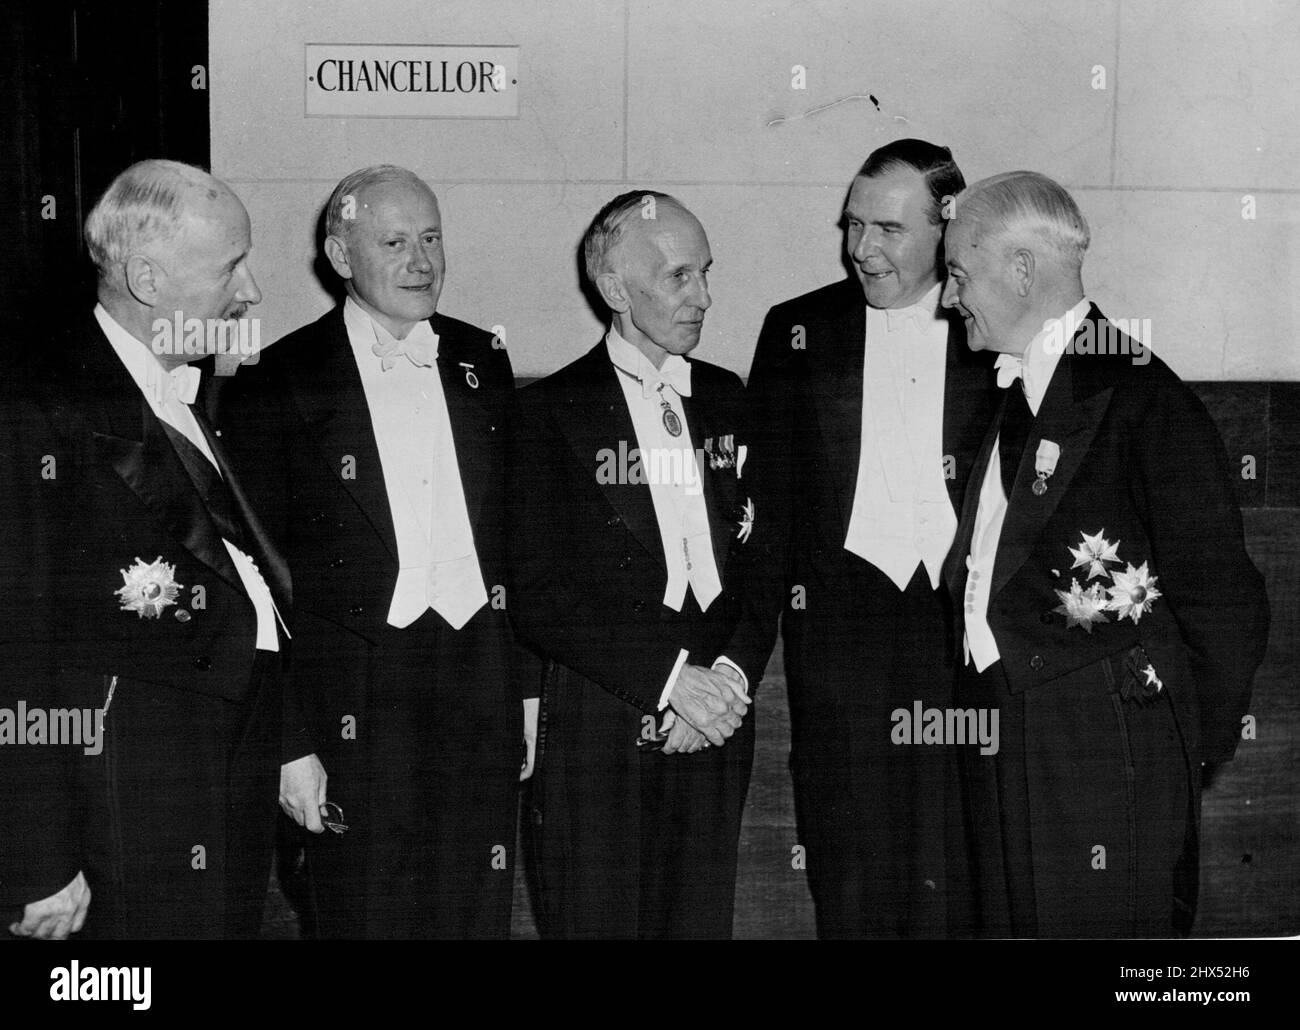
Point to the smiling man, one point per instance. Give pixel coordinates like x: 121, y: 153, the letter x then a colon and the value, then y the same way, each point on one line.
x: 1106, y: 603
x: 873, y: 407
x: 636, y: 588
x: 378, y: 434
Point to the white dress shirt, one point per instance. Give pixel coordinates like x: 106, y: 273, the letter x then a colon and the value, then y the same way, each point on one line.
x: 438, y: 565
x: 902, y: 514
x: 1035, y: 369
x: 673, y: 475
x: 156, y: 383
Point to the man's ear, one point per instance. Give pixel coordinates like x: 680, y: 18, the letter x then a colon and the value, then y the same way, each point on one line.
x: 1022, y: 270
x: 337, y: 253
x: 142, y: 279
x: 613, y: 292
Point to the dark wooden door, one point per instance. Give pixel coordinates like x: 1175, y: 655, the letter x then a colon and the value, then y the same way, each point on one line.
x: 86, y: 89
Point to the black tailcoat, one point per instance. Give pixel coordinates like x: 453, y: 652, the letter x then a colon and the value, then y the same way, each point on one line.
x: 172, y: 822
x: 872, y: 814
x: 632, y: 843
x: 1107, y: 762
x: 419, y: 728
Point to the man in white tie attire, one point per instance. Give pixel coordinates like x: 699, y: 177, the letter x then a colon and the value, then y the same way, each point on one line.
x: 378, y: 434
x: 638, y: 557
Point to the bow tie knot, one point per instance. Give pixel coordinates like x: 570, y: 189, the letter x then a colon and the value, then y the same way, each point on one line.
x: 1009, y: 368
x: 180, y: 383
x: 675, y: 373
x: 419, y: 348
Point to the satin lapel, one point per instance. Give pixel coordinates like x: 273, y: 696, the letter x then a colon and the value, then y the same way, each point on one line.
x: 332, y: 401
x: 156, y: 476
x: 1070, y: 418
x: 274, y: 568
x: 105, y: 409
x: 953, y: 567
x: 595, y: 422
x: 951, y: 417
x: 836, y: 357
x: 472, y: 420
x: 969, y: 391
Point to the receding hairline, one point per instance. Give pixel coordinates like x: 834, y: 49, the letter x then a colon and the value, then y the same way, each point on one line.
x: 153, y: 204
x: 1024, y: 209
x: 627, y: 231
x: 362, y: 182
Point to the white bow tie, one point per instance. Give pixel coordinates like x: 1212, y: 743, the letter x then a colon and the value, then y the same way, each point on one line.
x: 675, y: 373
x: 181, y: 383
x: 420, y: 347
x: 1010, y: 368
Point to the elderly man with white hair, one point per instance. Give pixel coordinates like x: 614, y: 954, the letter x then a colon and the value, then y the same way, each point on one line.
x: 143, y: 603
x: 1108, y: 610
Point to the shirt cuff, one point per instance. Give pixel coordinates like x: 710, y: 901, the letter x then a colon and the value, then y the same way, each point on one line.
x: 672, y: 679
x: 722, y: 659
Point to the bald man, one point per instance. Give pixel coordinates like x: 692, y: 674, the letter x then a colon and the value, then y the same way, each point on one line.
x: 1108, y: 613
x: 144, y: 606
x: 378, y: 438
x: 636, y: 521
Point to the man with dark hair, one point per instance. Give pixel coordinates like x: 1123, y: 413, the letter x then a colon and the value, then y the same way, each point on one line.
x: 635, y: 518
x: 872, y: 413
x: 1107, y: 607
x: 378, y: 438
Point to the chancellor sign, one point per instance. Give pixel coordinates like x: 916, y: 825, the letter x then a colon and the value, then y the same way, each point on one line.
x: 346, y: 80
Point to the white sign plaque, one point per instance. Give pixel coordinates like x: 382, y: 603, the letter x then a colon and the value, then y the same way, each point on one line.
x: 357, y: 80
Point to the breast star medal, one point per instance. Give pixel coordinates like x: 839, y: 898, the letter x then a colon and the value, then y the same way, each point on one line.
x: 671, y: 422
x: 148, y: 589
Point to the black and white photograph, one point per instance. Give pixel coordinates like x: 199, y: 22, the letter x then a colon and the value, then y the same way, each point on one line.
x: 613, y: 470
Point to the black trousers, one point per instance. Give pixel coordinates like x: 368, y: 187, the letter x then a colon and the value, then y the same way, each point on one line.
x: 881, y: 821
x: 631, y: 843
x: 428, y: 779
x: 180, y: 811
x: 1084, y: 823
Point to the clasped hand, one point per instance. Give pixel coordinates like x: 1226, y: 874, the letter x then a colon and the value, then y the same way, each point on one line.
x: 710, y: 700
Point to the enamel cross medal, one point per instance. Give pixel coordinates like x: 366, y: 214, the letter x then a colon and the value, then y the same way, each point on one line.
x: 671, y: 422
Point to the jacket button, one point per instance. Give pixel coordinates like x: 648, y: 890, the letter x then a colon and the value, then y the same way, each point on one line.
x: 337, y: 563
x: 613, y: 521
x: 357, y: 609
x: 625, y: 562
x: 203, y: 663
x: 638, y: 606
x: 1036, y: 662
x: 316, y: 518
x: 1045, y: 618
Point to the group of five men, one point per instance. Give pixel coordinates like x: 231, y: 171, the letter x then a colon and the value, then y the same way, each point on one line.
x: 369, y: 563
